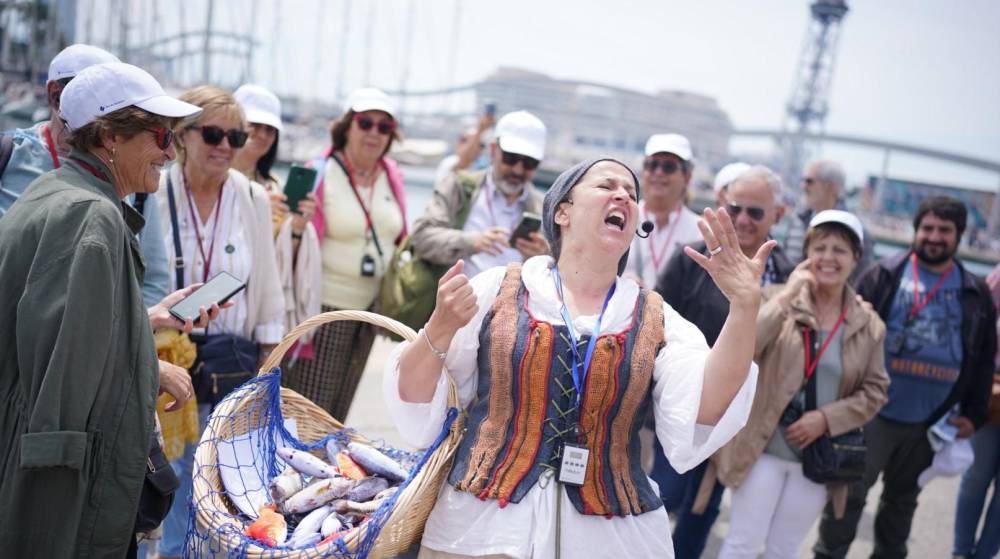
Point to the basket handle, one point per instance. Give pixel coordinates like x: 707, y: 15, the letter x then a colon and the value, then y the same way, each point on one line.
x: 392, y: 325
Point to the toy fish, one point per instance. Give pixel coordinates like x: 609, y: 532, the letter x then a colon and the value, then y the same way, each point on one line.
x: 306, y: 463
x: 317, y: 494
x: 284, y: 485
x: 367, y: 488
x: 331, y: 525
x: 311, y: 523
x: 377, y: 463
x: 270, y: 527
x: 349, y: 467
x: 305, y: 541
x: 333, y: 448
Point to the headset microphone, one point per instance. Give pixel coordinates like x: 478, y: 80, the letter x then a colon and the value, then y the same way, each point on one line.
x: 647, y: 228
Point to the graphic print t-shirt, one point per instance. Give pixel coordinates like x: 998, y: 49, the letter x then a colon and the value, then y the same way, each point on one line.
x: 923, y: 355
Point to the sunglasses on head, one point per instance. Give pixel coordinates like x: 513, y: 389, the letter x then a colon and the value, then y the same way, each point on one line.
x: 213, y: 135
x: 386, y: 126
x: 164, y: 137
x: 665, y: 164
x: 529, y: 163
x: 755, y: 214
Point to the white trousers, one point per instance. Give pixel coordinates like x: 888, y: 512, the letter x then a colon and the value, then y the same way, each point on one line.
x: 773, y: 508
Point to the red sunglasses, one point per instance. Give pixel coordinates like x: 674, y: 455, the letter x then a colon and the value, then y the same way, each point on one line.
x: 385, y: 126
x: 164, y: 137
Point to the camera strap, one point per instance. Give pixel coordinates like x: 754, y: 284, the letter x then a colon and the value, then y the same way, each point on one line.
x: 357, y: 196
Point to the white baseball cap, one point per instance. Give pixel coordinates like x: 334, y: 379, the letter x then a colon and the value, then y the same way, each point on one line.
x: 523, y: 133
x: 669, y: 143
x: 260, y: 105
x: 728, y: 174
x: 106, y: 88
x: 370, y: 99
x: 73, y: 59
x: 952, y: 460
x: 847, y: 219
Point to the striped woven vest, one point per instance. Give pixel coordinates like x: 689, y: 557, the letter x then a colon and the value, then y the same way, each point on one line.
x: 524, y: 408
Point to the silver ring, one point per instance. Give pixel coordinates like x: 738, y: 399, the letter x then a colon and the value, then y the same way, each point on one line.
x: 715, y: 250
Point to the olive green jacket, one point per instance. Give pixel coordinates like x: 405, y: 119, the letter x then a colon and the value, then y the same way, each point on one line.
x: 78, y: 368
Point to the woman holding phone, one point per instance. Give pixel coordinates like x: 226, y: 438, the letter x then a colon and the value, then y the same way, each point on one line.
x: 773, y: 503
x: 296, y: 245
x: 360, y: 218
x: 215, y: 220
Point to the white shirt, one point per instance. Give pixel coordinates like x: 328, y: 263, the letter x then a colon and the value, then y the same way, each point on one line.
x: 492, y: 210
x: 647, y: 258
x: 232, y: 253
x: 461, y: 523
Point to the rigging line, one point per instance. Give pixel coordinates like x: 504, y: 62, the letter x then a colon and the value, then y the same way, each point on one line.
x: 345, y: 28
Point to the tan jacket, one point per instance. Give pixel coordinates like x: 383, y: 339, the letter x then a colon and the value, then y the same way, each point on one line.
x: 437, y: 235
x: 780, y: 355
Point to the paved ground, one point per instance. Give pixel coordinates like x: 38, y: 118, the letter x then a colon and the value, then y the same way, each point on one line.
x: 932, y: 529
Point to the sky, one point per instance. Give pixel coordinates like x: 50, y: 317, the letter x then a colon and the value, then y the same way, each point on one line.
x: 924, y: 72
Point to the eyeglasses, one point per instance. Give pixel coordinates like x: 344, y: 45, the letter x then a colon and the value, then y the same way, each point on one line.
x: 164, y: 137
x: 386, y: 126
x: 755, y: 214
x: 529, y: 163
x: 213, y: 135
x: 665, y: 164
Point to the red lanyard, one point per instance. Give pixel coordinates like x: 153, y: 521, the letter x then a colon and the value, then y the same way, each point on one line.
x: 92, y: 170
x: 47, y: 136
x: 810, y: 363
x: 197, y: 229
x: 919, y: 305
x: 354, y: 188
x: 657, y: 258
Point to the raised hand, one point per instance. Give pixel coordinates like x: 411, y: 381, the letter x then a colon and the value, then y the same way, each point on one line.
x: 736, y: 275
x: 456, y: 303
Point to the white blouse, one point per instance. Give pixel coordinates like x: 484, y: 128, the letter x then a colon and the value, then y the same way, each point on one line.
x: 233, y: 252
x: 461, y: 523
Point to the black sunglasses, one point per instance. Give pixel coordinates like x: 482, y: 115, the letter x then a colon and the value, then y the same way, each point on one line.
x: 164, y: 137
x: 529, y: 163
x: 213, y: 135
x: 755, y: 214
x: 385, y: 126
x: 667, y: 166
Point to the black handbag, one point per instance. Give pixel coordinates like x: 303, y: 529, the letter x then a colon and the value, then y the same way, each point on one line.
x: 839, y: 459
x: 224, y: 362
x: 158, y: 488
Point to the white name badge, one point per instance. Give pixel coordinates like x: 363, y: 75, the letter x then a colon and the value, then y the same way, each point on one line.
x: 573, y: 469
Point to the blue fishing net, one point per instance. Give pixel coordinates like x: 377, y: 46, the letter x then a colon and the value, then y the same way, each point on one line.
x: 242, y: 437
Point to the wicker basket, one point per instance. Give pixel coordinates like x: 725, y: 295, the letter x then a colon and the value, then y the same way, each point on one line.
x: 406, y: 522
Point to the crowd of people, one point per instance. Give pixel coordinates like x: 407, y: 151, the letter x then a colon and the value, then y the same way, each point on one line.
x: 570, y: 320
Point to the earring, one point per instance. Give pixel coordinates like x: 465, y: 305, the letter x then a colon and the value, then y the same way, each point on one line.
x: 111, y: 160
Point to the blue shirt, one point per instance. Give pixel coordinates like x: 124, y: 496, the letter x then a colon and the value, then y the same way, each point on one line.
x: 31, y: 159
x: 923, y: 356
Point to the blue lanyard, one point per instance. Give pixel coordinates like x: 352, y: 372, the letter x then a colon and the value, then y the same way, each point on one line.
x: 580, y: 377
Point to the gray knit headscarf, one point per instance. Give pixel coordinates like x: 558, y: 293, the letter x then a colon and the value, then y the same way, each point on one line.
x: 558, y: 194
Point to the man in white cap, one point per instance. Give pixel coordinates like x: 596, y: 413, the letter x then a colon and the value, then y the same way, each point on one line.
x: 473, y: 216
x: 724, y: 178
x: 38, y: 150
x: 666, y: 172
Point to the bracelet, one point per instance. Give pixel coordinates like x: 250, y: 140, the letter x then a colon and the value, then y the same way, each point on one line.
x: 440, y: 354
x: 298, y: 237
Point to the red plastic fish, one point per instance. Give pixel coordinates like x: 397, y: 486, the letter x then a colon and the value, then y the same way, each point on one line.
x: 349, y: 468
x: 270, y: 527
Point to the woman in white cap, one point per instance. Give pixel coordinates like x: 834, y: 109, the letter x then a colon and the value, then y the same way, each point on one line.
x: 216, y: 220
x: 360, y: 218
x: 556, y: 362
x: 822, y: 374
x: 78, y: 366
x: 295, y: 242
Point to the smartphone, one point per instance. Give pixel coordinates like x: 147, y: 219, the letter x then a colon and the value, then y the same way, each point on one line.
x: 490, y: 109
x: 300, y: 182
x: 219, y: 289
x: 530, y: 223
